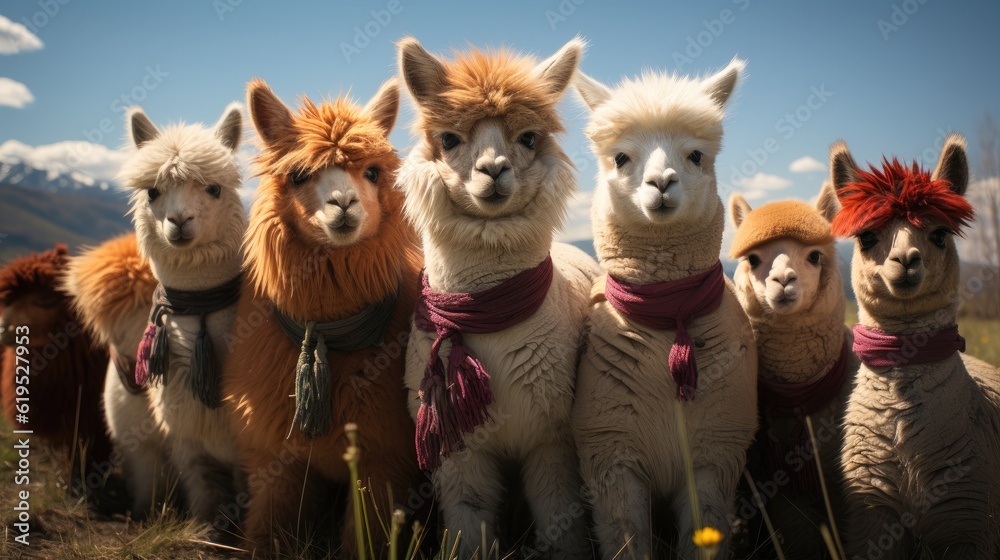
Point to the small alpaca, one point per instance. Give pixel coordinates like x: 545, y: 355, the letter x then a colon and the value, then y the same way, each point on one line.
x: 922, y: 427
x: 112, y: 287
x: 63, y: 370
x: 320, y: 339
x: 497, y: 334
x: 666, y: 330
x: 790, y: 286
x: 189, y: 222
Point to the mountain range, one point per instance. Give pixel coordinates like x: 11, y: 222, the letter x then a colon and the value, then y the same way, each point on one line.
x: 42, y: 207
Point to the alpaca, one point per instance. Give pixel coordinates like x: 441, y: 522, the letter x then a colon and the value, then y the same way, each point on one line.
x: 189, y: 222
x: 63, y: 370
x: 332, y: 270
x: 922, y: 426
x: 658, y: 224
x: 790, y: 286
x: 112, y: 287
x: 486, y: 187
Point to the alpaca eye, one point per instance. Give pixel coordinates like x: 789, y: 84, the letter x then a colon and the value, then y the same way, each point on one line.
x: 814, y: 257
x: 528, y: 140
x: 754, y: 261
x: 867, y: 240
x: 449, y: 141
x: 621, y: 159
x: 695, y: 158
x: 299, y: 178
x: 214, y: 191
x: 940, y: 238
x: 371, y: 174
x: 153, y: 193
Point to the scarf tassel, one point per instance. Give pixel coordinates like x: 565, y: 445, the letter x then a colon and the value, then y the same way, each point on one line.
x: 143, y: 355
x: 683, y: 368
x: 204, y: 378
x: 313, y: 412
x: 159, y: 358
x: 432, y: 441
x: 471, y: 392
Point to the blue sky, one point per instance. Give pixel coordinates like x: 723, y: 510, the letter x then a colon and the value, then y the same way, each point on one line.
x: 817, y: 71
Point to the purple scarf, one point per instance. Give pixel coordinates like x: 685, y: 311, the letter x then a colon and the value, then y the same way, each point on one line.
x: 454, y: 401
x: 877, y: 348
x: 798, y: 400
x: 671, y: 305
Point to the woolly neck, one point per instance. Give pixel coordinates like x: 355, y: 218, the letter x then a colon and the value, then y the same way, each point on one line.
x: 312, y: 282
x: 179, y: 276
x: 651, y: 254
x: 474, y: 269
x: 936, y: 320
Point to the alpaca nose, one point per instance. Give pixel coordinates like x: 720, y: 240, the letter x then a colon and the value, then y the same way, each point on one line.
x: 907, y: 258
x: 661, y: 181
x: 784, y: 278
x: 341, y: 199
x: 179, y: 220
x: 494, y: 168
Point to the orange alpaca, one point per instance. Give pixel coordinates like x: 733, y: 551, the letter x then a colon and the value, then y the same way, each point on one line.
x: 326, y: 242
x: 63, y: 365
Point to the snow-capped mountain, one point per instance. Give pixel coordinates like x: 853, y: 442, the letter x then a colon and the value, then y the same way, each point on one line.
x: 18, y: 173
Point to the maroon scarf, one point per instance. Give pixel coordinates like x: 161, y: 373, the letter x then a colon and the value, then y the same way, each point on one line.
x: 798, y: 400
x: 671, y: 305
x: 454, y: 401
x: 877, y: 348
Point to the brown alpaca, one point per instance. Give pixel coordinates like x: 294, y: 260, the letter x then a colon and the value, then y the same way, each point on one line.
x: 64, y: 365
x: 112, y: 287
x: 326, y: 242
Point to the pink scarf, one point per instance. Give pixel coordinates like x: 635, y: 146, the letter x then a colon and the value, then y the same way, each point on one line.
x: 798, y: 400
x: 454, y: 401
x: 877, y: 348
x: 671, y: 305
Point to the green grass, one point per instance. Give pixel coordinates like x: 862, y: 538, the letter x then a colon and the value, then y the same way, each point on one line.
x: 982, y: 336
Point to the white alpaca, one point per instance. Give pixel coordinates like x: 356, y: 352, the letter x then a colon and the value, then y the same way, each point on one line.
x: 112, y: 287
x: 189, y: 222
x: 486, y: 187
x: 790, y: 286
x: 657, y: 217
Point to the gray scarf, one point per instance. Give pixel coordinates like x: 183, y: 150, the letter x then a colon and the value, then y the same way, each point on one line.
x: 312, y: 372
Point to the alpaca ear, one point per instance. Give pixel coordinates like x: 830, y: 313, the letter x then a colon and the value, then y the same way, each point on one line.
x: 953, y: 165
x: 558, y: 69
x: 229, y: 129
x: 270, y: 116
x: 721, y: 85
x: 140, y: 128
x: 827, y: 203
x: 738, y: 209
x: 384, y: 106
x: 422, y: 73
x: 843, y: 170
x: 593, y: 93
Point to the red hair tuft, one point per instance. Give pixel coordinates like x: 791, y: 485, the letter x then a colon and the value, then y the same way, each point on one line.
x: 896, y: 191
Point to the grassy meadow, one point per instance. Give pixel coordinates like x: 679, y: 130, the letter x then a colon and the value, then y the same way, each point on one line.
x: 67, y: 527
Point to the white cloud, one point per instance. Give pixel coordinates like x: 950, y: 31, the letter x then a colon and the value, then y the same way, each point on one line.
x: 806, y: 164
x: 95, y: 160
x: 14, y: 93
x: 15, y: 38
x: 577, y: 226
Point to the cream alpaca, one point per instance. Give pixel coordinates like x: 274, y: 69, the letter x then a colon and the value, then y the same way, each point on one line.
x: 189, y: 222
x: 486, y: 187
x: 112, y: 288
x: 790, y: 286
x: 657, y: 218
x: 922, y: 429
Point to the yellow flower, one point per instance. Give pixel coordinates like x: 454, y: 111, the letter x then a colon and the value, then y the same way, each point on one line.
x: 707, y: 537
